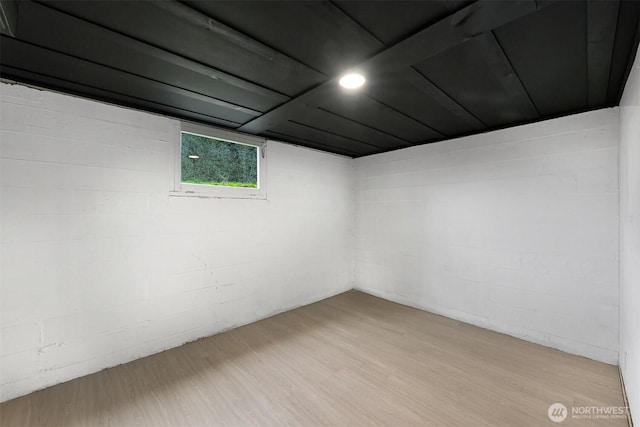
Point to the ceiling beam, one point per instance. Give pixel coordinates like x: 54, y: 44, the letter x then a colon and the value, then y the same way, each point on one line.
x: 8, y: 17
x: 469, y: 22
x: 602, y: 19
x: 501, y: 67
x: 176, y: 28
x: 310, y: 133
x: 323, y: 119
x: 281, y: 137
x: 23, y: 55
x: 426, y: 86
x: 626, y: 46
x: 137, y: 57
x: 433, y: 92
x: 328, y: 37
x: 83, y: 90
x: 368, y: 111
x: 234, y: 48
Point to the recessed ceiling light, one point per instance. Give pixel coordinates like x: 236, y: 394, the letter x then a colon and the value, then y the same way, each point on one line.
x: 352, y: 80
x: 193, y: 156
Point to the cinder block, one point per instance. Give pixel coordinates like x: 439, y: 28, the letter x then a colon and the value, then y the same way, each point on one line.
x: 503, y: 224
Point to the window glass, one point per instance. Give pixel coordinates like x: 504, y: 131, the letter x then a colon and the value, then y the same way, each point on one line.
x: 216, y: 162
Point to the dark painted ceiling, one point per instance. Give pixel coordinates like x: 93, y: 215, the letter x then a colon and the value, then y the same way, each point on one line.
x: 435, y: 69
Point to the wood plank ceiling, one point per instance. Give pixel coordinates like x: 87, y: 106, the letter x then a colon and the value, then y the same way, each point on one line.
x: 435, y: 69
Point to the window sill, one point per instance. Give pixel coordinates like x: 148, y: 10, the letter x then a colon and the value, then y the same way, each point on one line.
x: 214, y: 195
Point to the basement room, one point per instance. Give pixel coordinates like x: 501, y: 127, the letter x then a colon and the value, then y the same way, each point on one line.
x: 320, y: 213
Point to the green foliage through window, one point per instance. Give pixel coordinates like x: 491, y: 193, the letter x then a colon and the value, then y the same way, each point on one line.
x: 211, y: 161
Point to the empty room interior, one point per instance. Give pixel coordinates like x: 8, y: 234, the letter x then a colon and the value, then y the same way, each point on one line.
x: 343, y: 213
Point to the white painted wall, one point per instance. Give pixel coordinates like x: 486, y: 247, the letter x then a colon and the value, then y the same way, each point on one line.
x: 630, y: 238
x: 100, y: 266
x: 514, y: 230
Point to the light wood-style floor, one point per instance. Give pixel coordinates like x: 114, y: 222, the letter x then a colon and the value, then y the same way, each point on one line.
x: 350, y: 360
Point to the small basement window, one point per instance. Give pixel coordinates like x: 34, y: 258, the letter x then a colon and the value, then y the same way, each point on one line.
x: 217, y: 163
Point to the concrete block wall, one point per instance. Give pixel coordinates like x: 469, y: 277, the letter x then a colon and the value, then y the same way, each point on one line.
x: 630, y: 238
x: 514, y: 230
x: 100, y: 266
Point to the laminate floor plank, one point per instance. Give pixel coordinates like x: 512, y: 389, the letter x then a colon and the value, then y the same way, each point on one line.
x: 353, y: 359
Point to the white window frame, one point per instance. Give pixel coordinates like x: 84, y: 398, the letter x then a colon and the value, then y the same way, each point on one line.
x: 217, y: 191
